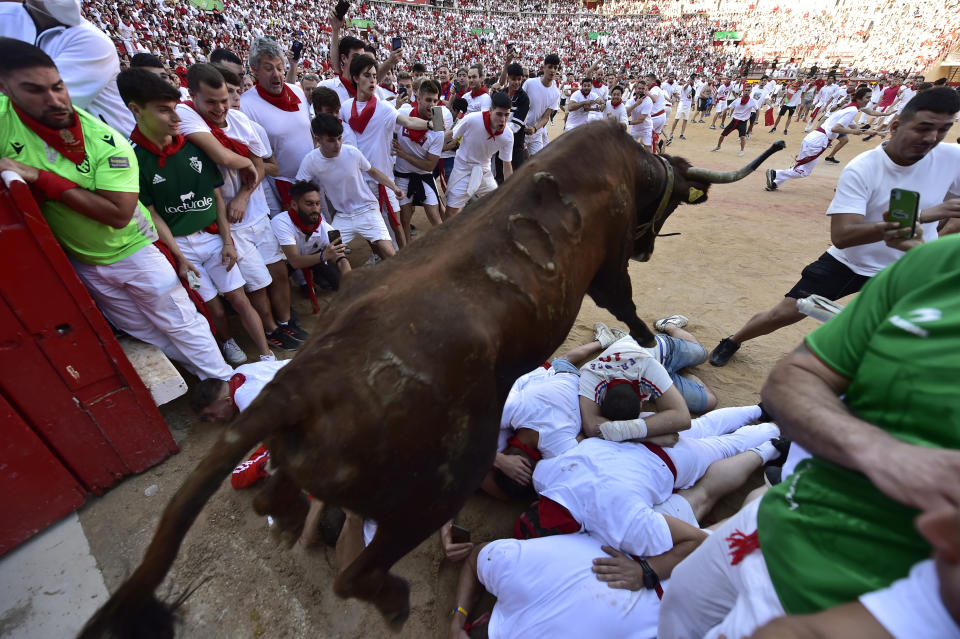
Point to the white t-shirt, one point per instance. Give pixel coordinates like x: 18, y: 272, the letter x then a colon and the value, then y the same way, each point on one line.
x: 257, y: 375
x: 864, y: 188
x: 547, y: 402
x: 686, y: 96
x: 546, y: 588
x: 541, y: 99
x: 240, y: 128
x: 476, y: 104
x: 659, y: 99
x: 289, y: 235
x: 624, y: 359
x: 376, y: 141
x: 432, y: 145
x: 611, y: 488
x: 843, y: 117
x: 742, y: 111
x: 342, y: 179
x: 668, y: 90
x: 476, y: 145
x: 86, y: 59
x: 580, y: 116
x: 722, y: 91
x: 793, y: 97
x: 289, y: 131
x: 618, y: 113
x: 644, y: 108
x: 447, y: 126
x: 336, y: 84
x: 912, y: 608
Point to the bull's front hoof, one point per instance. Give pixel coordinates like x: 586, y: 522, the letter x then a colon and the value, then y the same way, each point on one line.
x: 393, y: 602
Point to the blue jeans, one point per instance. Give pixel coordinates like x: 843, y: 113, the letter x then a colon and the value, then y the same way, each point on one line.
x: 676, y: 354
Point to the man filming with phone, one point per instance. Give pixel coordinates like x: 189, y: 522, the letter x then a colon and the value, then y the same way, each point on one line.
x: 864, y: 240
x: 307, y: 241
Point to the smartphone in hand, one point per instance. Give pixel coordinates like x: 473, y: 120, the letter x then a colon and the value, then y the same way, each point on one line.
x: 341, y: 8
x: 459, y: 534
x: 396, y: 43
x: 296, y: 49
x: 904, y: 208
x: 437, y: 113
x: 333, y: 236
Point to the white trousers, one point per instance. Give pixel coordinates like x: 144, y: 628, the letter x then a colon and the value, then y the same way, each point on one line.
x: 813, y: 145
x: 708, y: 597
x: 537, y: 141
x: 142, y: 296
x: 467, y: 180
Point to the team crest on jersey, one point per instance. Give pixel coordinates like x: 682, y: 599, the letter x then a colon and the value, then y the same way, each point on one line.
x: 17, y: 147
x: 196, y: 164
x: 84, y: 167
x: 157, y: 178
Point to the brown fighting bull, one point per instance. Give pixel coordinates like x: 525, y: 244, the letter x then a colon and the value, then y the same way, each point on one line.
x: 391, y: 409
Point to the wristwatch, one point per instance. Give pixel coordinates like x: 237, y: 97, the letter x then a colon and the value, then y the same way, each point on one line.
x: 650, y: 579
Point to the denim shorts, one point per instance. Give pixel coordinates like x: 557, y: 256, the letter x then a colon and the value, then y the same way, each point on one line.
x: 676, y: 354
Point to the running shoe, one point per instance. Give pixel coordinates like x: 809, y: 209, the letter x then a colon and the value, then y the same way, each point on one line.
x: 676, y: 320
x: 233, y: 353
x: 720, y: 355
x: 771, y: 180
x: 282, y: 340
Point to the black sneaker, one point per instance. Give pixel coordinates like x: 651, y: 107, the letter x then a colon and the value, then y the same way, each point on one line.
x: 782, y: 444
x: 771, y: 176
x: 720, y: 355
x: 764, y: 415
x: 831, y: 160
x: 293, y: 329
x: 282, y: 340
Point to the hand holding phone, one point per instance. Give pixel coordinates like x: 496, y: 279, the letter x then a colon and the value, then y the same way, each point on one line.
x: 333, y: 236
x: 341, y: 9
x: 297, y: 49
x: 396, y: 43
x: 437, y: 113
x: 904, y: 209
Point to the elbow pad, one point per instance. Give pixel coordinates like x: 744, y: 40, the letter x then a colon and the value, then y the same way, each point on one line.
x: 624, y: 429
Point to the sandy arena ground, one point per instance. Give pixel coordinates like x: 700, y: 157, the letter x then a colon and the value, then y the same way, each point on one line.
x: 737, y: 254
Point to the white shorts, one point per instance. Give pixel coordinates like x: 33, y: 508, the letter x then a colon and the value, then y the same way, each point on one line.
x: 403, y: 183
x: 468, y: 180
x: 370, y: 226
x: 249, y: 260
x: 204, y: 252
x: 643, y: 134
x: 537, y: 141
x: 658, y: 122
x: 391, y: 198
x: 262, y: 235
x: 683, y: 111
x: 677, y: 506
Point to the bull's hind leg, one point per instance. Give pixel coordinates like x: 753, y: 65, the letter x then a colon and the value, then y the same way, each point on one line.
x: 368, y: 577
x: 282, y: 499
x: 612, y: 291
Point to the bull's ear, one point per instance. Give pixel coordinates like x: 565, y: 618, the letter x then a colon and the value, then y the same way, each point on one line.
x: 696, y: 196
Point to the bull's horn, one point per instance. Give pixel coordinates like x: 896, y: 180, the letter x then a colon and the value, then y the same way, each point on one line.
x: 723, y: 177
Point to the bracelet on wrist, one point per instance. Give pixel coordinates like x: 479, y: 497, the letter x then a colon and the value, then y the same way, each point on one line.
x: 461, y: 610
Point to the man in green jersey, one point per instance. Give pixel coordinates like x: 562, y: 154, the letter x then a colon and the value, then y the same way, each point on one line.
x: 86, y: 176
x: 180, y: 185
x: 873, y: 395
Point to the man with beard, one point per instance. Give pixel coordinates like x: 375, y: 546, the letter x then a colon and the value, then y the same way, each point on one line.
x: 476, y: 95
x: 89, y: 176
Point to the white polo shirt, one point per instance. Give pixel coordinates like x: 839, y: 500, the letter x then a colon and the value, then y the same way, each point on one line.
x: 580, y: 116
x: 289, y: 131
x: 342, y: 179
x: 476, y: 145
x: 481, y: 102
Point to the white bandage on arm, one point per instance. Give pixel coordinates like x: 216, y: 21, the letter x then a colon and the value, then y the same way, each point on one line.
x: 624, y: 429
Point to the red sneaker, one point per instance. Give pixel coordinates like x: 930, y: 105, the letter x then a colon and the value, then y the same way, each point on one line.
x: 251, y: 471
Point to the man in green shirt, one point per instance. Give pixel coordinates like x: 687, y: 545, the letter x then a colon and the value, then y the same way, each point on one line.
x: 873, y: 395
x: 86, y: 178
x: 180, y: 185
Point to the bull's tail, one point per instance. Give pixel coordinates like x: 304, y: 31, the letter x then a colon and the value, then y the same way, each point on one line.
x: 134, y: 611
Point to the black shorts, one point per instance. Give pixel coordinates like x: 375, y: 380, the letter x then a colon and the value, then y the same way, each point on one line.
x: 787, y: 109
x: 563, y: 102
x: 828, y: 277
x: 739, y: 125
x: 702, y: 104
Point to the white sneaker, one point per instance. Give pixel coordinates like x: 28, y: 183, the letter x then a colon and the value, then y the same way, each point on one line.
x: 233, y: 353
x: 676, y: 320
x: 740, y: 154
x: 606, y: 335
x: 716, y: 148
x: 373, y: 259
x: 270, y: 357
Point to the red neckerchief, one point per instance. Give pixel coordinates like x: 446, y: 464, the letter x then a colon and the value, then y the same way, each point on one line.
x: 358, y: 122
x: 445, y: 91
x: 486, y: 125
x: 297, y: 222
x: 68, y: 142
x: 633, y: 384
x: 476, y: 93
x: 615, y: 103
x: 235, y: 383
x: 386, y: 88
x: 853, y: 104
x: 286, y: 101
x: 597, y: 85
x: 417, y: 136
x: 744, y: 100
x: 228, y: 143
x: 348, y: 85
x: 176, y: 143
